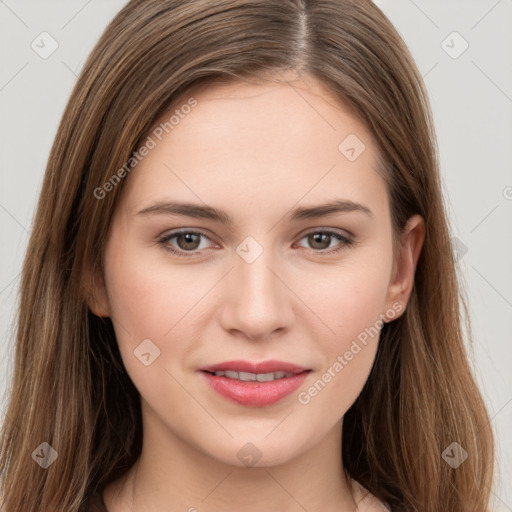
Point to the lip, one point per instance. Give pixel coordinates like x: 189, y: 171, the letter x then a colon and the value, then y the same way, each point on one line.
x: 254, y: 394
x: 251, y: 367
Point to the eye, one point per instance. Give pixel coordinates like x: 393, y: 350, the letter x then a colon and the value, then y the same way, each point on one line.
x: 187, y: 241
x: 321, y: 239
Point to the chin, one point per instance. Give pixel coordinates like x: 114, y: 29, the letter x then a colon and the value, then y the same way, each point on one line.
x: 260, y: 450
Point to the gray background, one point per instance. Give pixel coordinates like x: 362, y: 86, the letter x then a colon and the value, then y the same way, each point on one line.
x: 471, y: 96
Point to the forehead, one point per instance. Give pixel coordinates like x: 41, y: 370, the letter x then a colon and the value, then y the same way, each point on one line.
x: 297, y: 111
x: 247, y: 139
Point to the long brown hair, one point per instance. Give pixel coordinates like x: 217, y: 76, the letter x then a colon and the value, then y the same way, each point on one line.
x: 70, y: 388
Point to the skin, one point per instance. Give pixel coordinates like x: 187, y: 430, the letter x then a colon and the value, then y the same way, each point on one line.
x: 256, y: 151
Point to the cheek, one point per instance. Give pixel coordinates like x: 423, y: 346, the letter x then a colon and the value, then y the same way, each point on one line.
x: 149, y: 300
x: 351, y: 301
x: 351, y: 306
x: 139, y: 298
x: 153, y: 302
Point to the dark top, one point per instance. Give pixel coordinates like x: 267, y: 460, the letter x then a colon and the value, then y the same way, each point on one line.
x: 94, y: 503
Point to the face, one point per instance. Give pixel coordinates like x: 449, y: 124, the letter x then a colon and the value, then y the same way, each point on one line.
x: 277, y: 276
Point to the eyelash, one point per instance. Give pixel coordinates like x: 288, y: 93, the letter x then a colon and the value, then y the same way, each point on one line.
x: 163, y: 241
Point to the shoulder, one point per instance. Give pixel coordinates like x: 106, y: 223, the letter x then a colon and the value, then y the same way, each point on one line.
x: 367, y: 502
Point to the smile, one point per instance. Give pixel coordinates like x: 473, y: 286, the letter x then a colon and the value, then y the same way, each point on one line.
x: 253, y: 377
x: 254, y: 384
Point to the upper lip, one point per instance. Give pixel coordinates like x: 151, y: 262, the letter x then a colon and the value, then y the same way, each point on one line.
x: 253, y: 367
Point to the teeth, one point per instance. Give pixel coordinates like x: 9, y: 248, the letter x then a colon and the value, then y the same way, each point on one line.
x: 246, y: 376
x: 265, y: 377
x: 253, y: 377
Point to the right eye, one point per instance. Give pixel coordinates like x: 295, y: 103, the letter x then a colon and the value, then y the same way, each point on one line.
x: 188, y: 241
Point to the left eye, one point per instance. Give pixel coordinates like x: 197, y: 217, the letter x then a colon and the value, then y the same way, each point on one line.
x: 322, y: 238
x: 189, y: 241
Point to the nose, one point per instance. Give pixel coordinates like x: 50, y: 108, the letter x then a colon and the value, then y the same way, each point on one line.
x: 257, y: 301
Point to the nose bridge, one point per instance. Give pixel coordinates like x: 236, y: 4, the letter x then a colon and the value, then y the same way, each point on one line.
x: 260, y: 302
x: 257, y: 281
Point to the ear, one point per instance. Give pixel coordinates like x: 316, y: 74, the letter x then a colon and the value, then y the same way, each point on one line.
x: 96, y: 293
x: 406, y: 259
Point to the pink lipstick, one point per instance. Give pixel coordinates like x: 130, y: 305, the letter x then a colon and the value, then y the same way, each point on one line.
x: 254, y: 384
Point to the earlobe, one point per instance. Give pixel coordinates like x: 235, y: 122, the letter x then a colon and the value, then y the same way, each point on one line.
x: 97, y: 297
x: 406, y: 260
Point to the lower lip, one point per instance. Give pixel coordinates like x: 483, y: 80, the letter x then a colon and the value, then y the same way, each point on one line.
x: 254, y: 394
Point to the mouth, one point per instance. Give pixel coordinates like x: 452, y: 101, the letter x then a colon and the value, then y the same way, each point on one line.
x: 253, y: 377
x: 254, y: 384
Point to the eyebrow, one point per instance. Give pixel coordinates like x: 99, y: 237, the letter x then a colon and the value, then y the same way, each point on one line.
x: 209, y: 212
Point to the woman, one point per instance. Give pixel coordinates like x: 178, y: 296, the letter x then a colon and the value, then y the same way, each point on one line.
x: 239, y: 292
